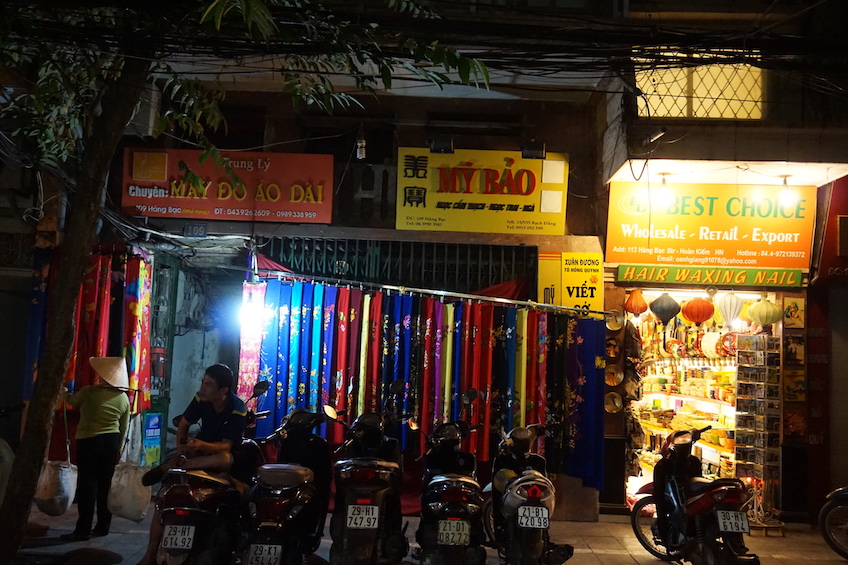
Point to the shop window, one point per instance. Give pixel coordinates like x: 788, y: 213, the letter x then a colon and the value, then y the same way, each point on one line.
x: 714, y: 91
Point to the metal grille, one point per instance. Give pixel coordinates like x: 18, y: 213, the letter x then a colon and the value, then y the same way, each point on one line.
x: 707, y: 91
x: 439, y: 266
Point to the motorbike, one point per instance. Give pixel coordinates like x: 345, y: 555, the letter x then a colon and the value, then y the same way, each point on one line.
x: 517, y: 515
x: 366, y: 523
x: 833, y: 521
x: 285, y: 509
x: 450, y: 531
x: 685, y: 517
x: 200, y: 511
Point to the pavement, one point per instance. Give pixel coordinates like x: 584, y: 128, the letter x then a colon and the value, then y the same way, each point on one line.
x: 608, y: 541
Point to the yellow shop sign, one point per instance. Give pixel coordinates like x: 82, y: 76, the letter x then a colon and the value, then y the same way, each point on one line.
x: 481, y: 191
x: 575, y: 280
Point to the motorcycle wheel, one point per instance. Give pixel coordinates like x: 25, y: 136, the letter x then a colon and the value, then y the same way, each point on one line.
x: 643, y: 518
x: 833, y: 521
x: 489, y: 521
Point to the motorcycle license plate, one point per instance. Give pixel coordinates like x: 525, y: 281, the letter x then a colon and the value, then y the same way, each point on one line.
x: 454, y: 532
x: 533, y: 517
x: 264, y: 554
x: 178, y: 537
x: 363, y: 516
x: 732, y: 521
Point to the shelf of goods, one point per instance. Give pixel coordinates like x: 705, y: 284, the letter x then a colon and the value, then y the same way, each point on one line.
x: 691, y: 392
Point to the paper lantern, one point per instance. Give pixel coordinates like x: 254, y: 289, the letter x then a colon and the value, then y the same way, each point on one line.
x: 765, y: 312
x: 729, y: 306
x: 697, y: 310
x: 635, y: 303
x: 665, y: 308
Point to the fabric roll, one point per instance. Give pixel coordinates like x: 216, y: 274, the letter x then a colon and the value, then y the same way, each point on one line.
x: 305, y: 358
x: 294, y: 344
x: 268, y: 359
x: 487, y: 331
x: 531, y: 338
x: 447, y: 361
x: 364, y: 344
x: 438, y: 387
x: 253, y: 304
x: 510, y: 344
x: 283, y: 330
x: 339, y: 394
x: 478, y: 381
x: 355, y: 333
x: 315, y: 348
x: 328, y: 347
x: 426, y: 394
x: 459, y: 384
x: 520, y: 400
x: 543, y: 346
x: 375, y: 353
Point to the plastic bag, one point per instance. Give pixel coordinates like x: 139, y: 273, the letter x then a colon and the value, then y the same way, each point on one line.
x: 57, y: 485
x: 128, y: 498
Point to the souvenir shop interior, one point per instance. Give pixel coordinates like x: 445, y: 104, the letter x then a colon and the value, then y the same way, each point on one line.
x: 707, y: 357
x: 321, y: 342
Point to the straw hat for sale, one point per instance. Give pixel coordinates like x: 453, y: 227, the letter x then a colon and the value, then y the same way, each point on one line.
x: 112, y: 370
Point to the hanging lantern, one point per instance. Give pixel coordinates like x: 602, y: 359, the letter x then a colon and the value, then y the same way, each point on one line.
x: 697, y: 310
x: 635, y: 303
x: 665, y: 308
x: 765, y: 312
x: 729, y: 306
x: 743, y: 313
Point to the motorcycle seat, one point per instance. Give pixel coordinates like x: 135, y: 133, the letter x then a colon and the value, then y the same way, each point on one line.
x: 698, y: 485
x: 281, y: 475
x: 222, y: 479
x: 369, y: 462
x: 454, y: 478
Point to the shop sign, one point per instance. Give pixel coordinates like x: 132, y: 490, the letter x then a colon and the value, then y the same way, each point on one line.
x: 719, y: 225
x: 481, y: 191
x: 575, y: 280
x: 274, y: 187
x: 697, y: 275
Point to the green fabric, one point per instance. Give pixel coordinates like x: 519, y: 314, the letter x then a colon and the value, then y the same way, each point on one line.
x: 103, y: 410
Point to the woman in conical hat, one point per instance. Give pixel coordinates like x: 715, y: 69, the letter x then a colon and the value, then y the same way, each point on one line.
x: 104, y: 415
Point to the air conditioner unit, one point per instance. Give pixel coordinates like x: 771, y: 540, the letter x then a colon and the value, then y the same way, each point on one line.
x: 143, y: 122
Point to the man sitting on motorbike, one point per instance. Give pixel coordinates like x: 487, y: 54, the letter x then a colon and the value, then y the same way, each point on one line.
x: 222, y: 419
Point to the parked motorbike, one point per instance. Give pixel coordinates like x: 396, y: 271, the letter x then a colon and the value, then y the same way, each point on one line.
x: 200, y: 511
x: 833, y: 521
x: 517, y: 515
x: 366, y: 524
x: 451, y: 528
x: 285, y: 509
x: 687, y: 517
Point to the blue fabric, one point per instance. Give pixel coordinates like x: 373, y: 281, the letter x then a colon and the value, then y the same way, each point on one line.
x: 268, y: 360
x: 510, y: 327
x: 294, y: 345
x: 314, y: 390
x: 328, y: 329
x: 283, y: 332
x: 305, y: 353
x: 458, y: 377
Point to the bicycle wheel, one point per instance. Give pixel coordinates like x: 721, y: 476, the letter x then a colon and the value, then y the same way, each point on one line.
x: 643, y: 518
x: 833, y: 521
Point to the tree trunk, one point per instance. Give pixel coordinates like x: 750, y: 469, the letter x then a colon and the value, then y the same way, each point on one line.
x: 116, y: 110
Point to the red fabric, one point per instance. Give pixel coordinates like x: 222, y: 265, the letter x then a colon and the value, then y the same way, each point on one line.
x: 487, y: 338
x: 339, y: 398
x: 353, y: 329
x: 518, y: 289
x: 253, y: 298
x: 266, y: 264
x: 531, y: 337
x: 427, y: 370
x: 473, y: 354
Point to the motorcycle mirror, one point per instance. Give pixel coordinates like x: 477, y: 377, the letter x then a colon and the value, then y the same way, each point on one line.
x: 469, y: 396
x: 330, y: 412
x: 260, y: 388
x: 413, y: 425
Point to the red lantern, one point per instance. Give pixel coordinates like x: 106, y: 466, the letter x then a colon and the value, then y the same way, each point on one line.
x: 698, y: 310
x: 635, y: 303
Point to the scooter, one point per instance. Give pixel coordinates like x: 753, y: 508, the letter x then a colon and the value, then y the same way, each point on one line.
x: 200, y: 511
x: 685, y: 517
x: 833, y: 521
x: 518, y: 513
x: 451, y: 528
x: 285, y: 509
x: 366, y: 524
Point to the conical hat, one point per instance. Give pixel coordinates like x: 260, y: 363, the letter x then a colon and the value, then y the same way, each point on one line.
x: 112, y: 370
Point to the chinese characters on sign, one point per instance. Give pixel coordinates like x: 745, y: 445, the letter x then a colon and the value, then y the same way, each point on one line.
x: 481, y: 191
x: 273, y: 187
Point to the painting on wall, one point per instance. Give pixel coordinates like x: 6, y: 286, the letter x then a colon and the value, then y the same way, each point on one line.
x: 793, y: 312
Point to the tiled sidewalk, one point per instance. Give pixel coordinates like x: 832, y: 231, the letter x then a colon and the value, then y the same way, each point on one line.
x: 608, y: 541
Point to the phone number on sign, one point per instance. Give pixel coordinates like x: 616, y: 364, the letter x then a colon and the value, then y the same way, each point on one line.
x: 264, y: 213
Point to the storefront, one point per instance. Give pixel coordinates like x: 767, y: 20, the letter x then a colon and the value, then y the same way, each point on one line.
x: 711, y: 282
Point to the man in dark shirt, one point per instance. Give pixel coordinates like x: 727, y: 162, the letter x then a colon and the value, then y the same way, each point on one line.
x: 222, y: 419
